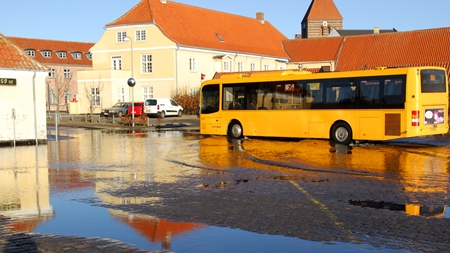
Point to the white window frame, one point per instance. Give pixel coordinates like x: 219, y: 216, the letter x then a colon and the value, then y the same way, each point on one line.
x: 89, y: 56
x: 252, y: 66
x: 121, y: 93
x: 95, y: 94
x: 147, y: 92
x: 116, y: 62
x: 76, y: 56
x: 47, y: 54
x: 52, y: 96
x: 240, y: 66
x: 31, y: 53
x: 192, y: 65
x: 52, y: 73
x: 266, y: 67
x: 67, y: 73
x: 120, y: 36
x: 141, y: 35
x: 226, y: 66
x: 62, y: 55
x: 146, y: 64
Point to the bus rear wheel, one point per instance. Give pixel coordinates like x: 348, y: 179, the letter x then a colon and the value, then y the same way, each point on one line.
x: 341, y: 133
x: 235, y: 130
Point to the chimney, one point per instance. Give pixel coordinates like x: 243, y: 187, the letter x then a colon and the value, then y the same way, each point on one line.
x: 260, y: 17
x: 164, y: 1
x: 376, y: 30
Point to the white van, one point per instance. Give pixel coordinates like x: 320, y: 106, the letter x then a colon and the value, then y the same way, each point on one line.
x: 162, y: 107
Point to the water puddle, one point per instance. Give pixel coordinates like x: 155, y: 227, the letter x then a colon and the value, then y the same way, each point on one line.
x: 410, y: 209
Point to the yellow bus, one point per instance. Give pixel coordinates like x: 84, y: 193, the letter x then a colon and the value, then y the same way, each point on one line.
x: 372, y: 105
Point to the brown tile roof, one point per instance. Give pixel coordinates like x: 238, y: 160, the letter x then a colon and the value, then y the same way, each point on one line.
x: 198, y: 27
x: 322, y: 10
x: 13, y: 57
x: 55, y: 46
x: 317, y: 49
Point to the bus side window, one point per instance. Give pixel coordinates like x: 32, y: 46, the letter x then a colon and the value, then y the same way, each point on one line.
x: 394, y: 93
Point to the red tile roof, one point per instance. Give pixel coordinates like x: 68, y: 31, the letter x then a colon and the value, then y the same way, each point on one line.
x: 317, y: 49
x: 56, y: 46
x: 421, y: 47
x: 322, y: 10
x: 400, y: 49
x: 13, y: 57
x: 198, y: 27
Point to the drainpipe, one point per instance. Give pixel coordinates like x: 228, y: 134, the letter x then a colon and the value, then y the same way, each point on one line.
x: 176, y: 69
x: 34, y: 107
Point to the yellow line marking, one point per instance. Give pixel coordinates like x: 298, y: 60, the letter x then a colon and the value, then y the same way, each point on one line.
x: 327, y: 211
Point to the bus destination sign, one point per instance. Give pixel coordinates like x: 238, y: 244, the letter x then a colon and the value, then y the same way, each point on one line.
x: 8, y: 81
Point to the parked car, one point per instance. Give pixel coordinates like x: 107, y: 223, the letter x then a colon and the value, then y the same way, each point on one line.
x: 138, y: 109
x: 119, y: 109
x: 162, y: 107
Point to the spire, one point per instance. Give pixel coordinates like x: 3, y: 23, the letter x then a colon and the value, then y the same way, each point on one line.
x: 321, y: 17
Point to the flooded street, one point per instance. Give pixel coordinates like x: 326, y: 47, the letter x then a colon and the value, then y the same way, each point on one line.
x: 182, y: 192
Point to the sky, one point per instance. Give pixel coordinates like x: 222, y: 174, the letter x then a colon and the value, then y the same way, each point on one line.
x: 84, y: 20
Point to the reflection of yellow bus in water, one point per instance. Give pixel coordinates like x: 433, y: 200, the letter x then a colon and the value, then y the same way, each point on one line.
x: 380, y: 104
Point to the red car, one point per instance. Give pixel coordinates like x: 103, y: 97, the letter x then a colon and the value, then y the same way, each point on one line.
x: 138, y: 109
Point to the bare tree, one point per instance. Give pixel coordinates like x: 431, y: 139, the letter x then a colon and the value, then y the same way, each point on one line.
x: 60, y: 87
x: 92, y: 94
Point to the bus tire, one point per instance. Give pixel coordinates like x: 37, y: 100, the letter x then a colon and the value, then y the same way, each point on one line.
x: 341, y: 133
x: 235, y: 130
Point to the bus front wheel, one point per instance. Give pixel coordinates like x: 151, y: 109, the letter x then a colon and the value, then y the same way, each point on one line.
x: 235, y: 130
x: 341, y: 133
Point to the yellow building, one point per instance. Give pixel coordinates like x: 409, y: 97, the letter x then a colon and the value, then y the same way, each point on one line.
x: 169, y: 48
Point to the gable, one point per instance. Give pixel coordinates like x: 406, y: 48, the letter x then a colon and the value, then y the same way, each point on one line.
x: 322, y: 10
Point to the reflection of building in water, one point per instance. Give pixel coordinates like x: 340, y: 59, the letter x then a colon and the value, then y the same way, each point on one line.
x: 24, y: 194
x: 154, y: 229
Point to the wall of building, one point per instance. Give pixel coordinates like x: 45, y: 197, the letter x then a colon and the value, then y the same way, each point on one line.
x: 23, y: 116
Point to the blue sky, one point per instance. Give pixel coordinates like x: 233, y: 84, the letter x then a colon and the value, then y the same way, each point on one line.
x: 84, y: 20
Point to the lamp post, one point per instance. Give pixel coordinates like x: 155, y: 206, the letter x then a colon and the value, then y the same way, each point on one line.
x: 131, y: 82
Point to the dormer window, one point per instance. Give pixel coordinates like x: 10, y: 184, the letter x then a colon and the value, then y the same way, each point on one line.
x: 31, y: 52
x: 46, y: 53
x: 89, y: 56
x: 76, y: 55
x: 219, y: 37
x: 62, y: 54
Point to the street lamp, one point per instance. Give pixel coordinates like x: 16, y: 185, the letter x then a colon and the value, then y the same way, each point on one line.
x: 131, y: 82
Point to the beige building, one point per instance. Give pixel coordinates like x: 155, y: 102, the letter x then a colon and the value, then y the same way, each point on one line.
x: 168, y: 48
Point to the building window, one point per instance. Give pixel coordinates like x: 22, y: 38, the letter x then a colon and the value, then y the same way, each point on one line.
x: 141, y: 35
x: 146, y: 63
x: 76, y: 56
x: 67, y: 95
x: 147, y: 92
x: 62, y: 55
x: 31, y: 53
x: 121, y: 94
x: 116, y: 62
x: 52, y: 73
x: 226, y: 66
x: 266, y: 67
x: 121, y: 36
x: 52, y: 96
x: 67, y: 73
x: 240, y: 66
x: 192, y: 64
x: 95, y: 96
x: 252, y: 66
x: 89, y: 56
x: 47, y: 54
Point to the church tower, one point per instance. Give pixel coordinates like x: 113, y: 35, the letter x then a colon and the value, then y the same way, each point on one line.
x: 322, y: 17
